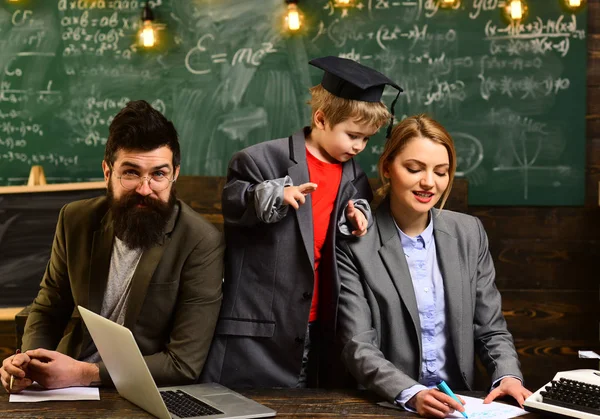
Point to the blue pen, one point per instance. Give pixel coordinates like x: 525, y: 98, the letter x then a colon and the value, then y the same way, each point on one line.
x: 442, y: 386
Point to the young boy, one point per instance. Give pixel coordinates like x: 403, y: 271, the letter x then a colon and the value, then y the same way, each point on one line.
x: 280, y: 276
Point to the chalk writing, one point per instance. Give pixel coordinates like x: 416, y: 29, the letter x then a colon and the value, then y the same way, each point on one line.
x: 195, y: 58
x: 507, y: 118
x: 469, y: 151
x: 515, y: 64
x: 39, y: 158
x: 537, y: 37
x: 7, y: 127
x: 428, y: 8
x: 537, y: 29
x: 385, y: 36
x: 522, y: 88
x: 11, y: 95
x: 11, y: 143
x: 64, y: 5
x: 480, y: 6
x: 87, y: 33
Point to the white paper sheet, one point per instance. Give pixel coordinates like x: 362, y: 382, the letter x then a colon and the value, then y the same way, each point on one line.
x: 475, y: 409
x: 36, y: 393
x: 589, y: 354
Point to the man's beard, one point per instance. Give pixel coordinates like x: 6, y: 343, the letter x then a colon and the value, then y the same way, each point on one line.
x: 140, y: 227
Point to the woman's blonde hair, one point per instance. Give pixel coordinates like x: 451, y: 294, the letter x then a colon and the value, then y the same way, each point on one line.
x: 405, y: 131
x: 337, y: 109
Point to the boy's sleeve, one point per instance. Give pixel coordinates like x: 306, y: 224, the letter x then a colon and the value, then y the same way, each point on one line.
x: 345, y: 227
x: 268, y: 199
x: 248, y: 198
x: 361, y: 199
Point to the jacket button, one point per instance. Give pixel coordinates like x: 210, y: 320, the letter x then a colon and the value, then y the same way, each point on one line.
x: 307, y: 295
x: 299, y: 339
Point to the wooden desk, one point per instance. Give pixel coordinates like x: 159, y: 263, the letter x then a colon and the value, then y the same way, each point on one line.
x: 289, y: 403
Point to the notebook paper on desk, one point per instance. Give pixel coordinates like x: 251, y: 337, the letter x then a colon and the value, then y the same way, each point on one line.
x: 588, y: 355
x: 475, y: 409
x: 37, y: 393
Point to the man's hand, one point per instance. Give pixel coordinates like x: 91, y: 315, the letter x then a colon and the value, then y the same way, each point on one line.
x: 55, y: 370
x: 17, y: 366
x: 509, y: 386
x: 357, y: 218
x: 434, y: 404
x: 295, y: 195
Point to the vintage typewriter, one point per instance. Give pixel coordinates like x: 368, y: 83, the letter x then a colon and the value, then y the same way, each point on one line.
x: 573, y: 394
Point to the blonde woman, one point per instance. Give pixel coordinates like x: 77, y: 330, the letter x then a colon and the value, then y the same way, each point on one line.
x: 418, y: 299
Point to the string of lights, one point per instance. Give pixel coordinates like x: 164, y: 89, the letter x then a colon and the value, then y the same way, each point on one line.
x: 514, y: 10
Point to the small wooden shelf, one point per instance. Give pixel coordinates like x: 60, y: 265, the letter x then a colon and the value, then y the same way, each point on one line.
x: 9, y: 313
x: 79, y: 186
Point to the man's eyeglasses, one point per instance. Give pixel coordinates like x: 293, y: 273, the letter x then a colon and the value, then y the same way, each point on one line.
x: 156, y: 182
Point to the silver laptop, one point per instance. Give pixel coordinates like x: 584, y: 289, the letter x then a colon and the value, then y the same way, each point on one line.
x: 130, y: 374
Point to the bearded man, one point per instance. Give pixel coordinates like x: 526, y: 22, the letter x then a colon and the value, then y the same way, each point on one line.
x: 138, y: 256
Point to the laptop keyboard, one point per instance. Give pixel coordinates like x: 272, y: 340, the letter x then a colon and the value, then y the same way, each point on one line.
x: 186, y: 406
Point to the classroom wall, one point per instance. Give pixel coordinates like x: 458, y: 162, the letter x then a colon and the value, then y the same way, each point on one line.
x: 547, y: 259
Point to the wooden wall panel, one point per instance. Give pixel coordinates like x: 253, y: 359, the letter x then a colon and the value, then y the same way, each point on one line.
x: 541, y: 314
x: 539, y: 223
x: 547, y: 264
x: 541, y: 359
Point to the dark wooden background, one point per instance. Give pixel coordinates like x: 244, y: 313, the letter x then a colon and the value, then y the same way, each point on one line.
x: 547, y: 258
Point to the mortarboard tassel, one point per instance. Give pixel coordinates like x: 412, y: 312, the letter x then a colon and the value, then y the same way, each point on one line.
x: 389, y: 129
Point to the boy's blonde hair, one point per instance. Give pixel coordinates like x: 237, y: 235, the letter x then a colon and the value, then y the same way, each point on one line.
x: 412, y: 127
x: 337, y: 109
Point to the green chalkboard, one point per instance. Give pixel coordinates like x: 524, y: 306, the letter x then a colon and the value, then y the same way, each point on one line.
x: 229, y: 76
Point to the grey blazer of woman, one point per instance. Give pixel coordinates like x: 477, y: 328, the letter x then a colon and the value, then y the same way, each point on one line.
x: 378, y: 319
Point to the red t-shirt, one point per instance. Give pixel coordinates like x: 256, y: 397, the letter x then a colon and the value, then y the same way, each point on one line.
x: 327, y: 176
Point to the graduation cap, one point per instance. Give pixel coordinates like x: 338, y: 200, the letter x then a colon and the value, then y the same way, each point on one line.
x: 350, y: 80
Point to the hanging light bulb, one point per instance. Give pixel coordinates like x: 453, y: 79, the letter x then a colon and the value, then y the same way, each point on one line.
x: 147, y: 36
x: 293, y: 19
x: 573, y: 5
x: 148, y: 33
x: 447, y: 3
x: 343, y: 3
x: 516, y: 9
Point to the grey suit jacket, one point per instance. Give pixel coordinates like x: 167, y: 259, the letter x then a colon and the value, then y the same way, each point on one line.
x: 269, y: 270
x: 378, y: 318
x: 175, y: 292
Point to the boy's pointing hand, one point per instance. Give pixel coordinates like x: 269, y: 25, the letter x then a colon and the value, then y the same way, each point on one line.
x: 295, y: 195
x: 357, y: 219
